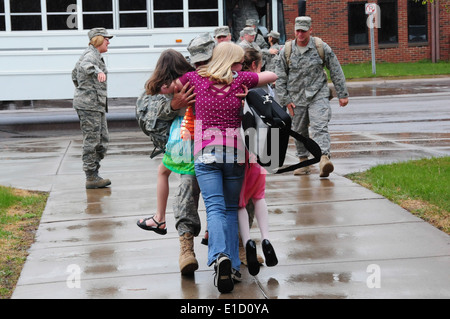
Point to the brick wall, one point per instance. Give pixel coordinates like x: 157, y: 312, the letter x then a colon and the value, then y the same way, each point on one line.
x: 330, y: 22
x: 444, y: 32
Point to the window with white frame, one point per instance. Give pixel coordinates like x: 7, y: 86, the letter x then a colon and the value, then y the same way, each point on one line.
x: 98, y: 13
x: 38, y: 15
x: 176, y: 14
x: 59, y: 14
x: 133, y: 13
x: 168, y: 14
x: 25, y: 15
x: 203, y: 13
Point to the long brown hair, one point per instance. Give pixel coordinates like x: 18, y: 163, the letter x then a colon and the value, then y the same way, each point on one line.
x: 251, y: 55
x: 170, y: 66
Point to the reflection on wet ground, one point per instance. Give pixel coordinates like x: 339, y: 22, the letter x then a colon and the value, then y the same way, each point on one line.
x: 392, y: 87
x: 56, y: 104
x: 326, y: 231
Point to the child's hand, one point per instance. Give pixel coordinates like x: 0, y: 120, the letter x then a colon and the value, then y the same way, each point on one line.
x: 290, y: 108
x: 243, y: 95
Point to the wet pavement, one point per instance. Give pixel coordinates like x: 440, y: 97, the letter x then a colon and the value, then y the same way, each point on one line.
x: 333, y: 238
x: 380, y: 87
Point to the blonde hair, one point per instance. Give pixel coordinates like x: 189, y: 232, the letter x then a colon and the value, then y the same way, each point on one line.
x: 97, y: 41
x: 219, y: 68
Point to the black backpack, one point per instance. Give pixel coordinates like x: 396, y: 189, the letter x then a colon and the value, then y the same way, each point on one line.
x: 155, y: 117
x: 267, y: 128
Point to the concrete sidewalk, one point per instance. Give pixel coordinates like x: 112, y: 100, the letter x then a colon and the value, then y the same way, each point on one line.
x: 333, y: 238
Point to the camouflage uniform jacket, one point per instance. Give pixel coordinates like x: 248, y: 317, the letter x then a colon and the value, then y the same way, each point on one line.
x: 246, y: 45
x: 90, y: 94
x: 271, y: 59
x: 304, y: 80
x: 259, y: 39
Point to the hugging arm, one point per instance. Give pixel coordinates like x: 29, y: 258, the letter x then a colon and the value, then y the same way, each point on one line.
x: 266, y: 77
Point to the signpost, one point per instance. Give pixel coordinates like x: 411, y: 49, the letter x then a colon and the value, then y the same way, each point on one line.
x: 371, y: 11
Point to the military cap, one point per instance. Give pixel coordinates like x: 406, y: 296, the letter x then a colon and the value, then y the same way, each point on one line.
x: 221, y: 31
x: 200, y: 48
x: 303, y: 23
x: 99, y: 31
x: 249, y: 31
x: 274, y: 34
x: 250, y: 22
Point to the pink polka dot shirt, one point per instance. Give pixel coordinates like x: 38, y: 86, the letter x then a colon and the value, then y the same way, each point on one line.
x: 218, y: 110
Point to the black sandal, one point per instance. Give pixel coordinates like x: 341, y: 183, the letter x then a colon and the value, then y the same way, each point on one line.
x: 143, y: 225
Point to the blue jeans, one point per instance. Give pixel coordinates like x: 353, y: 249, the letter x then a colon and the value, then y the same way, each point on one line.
x: 220, y: 184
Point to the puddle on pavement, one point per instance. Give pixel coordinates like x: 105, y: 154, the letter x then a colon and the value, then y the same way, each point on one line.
x: 383, y: 89
x: 106, y: 292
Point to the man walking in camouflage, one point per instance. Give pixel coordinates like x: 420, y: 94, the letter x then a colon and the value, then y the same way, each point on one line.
x: 90, y: 102
x: 302, y: 87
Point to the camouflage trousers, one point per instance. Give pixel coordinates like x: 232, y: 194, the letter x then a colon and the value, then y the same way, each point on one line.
x: 95, y: 139
x: 312, y: 121
x: 185, y: 206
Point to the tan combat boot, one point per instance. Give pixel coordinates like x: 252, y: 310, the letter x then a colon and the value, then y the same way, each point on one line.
x: 188, y: 262
x: 306, y: 170
x: 94, y: 181
x: 325, y: 165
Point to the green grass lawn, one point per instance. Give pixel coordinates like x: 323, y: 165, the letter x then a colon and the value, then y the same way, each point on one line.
x: 420, y: 186
x: 418, y: 69
x: 20, y: 214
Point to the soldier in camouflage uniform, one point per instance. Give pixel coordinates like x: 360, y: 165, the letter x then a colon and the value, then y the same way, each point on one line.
x: 242, y: 11
x: 249, y: 35
x: 90, y: 102
x: 259, y: 39
x: 222, y: 34
x: 249, y: 42
x: 302, y: 87
x: 273, y: 37
x: 185, y: 207
x: 187, y: 220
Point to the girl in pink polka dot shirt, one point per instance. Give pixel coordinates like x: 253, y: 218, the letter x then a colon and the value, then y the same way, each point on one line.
x: 217, y: 141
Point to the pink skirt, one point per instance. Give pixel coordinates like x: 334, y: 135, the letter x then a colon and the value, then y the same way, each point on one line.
x: 254, y: 184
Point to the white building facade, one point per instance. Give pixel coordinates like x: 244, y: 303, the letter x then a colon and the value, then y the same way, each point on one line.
x: 41, y: 40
